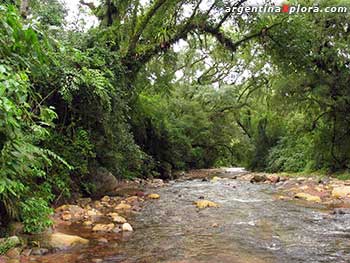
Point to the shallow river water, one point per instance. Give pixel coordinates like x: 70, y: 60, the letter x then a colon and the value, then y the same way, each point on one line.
x: 249, y: 226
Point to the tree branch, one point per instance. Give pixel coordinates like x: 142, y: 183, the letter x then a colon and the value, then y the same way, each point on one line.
x: 143, y: 24
x: 228, y: 14
x: 182, y: 32
x: 90, y: 5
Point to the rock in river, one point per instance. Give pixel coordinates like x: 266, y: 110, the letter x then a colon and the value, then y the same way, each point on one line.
x: 273, y: 178
x: 258, y: 178
x: 103, y: 227
x: 308, y: 197
x: 123, y: 206
x: 64, y: 241
x: 127, y: 227
x: 205, y: 203
x: 154, y: 196
x: 117, y: 218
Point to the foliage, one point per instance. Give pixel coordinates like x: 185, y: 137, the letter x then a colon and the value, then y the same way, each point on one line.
x: 23, y: 163
x: 35, y: 215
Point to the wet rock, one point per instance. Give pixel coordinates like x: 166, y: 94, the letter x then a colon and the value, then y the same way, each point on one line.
x: 71, y: 212
x: 308, y: 197
x: 273, y: 178
x: 258, y: 178
x: 97, y: 260
x: 64, y: 241
x: 153, y: 196
x: 127, y: 227
x: 246, y: 177
x: 103, y: 227
x: 123, y: 206
x: 205, y: 203
x: 94, y: 212
x: 117, y: 218
x: 39, y: 251
x: 132, y: 199
x: 341, y: 192
x: 74, y: 209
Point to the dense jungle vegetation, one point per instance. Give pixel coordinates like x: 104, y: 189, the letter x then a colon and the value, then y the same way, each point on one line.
x: 162, y: 86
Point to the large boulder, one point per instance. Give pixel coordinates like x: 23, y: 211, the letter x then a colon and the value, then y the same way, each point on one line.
x: 105, y: 182
x: 64, y: 241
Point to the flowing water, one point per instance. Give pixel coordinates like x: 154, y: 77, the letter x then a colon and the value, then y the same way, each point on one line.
x: 249, y: 226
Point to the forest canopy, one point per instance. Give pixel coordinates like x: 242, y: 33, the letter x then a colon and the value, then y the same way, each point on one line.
x: 164, y: 86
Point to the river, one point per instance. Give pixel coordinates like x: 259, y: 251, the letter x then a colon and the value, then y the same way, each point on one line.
x: 250, y: 225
